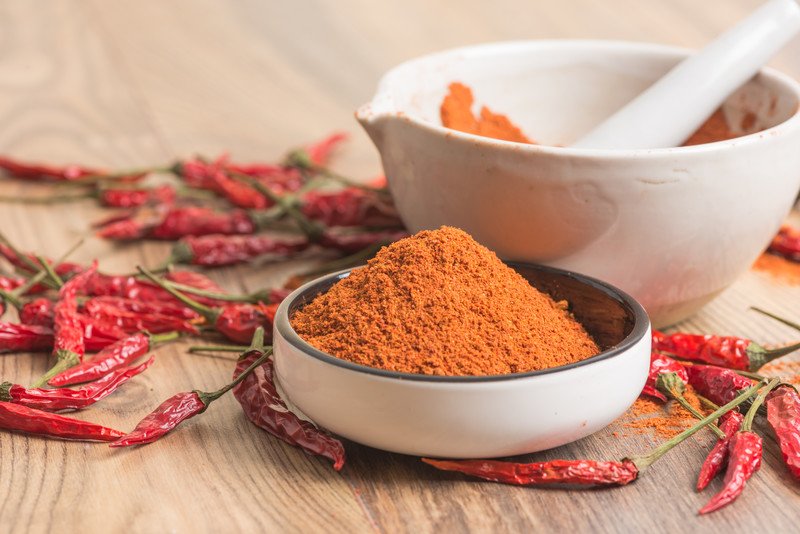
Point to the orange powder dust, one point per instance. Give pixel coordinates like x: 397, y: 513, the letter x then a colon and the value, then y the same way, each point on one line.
x: 665, y: 420
x: 438, y: 303
x: 456, y: 113
x: 780, y: 268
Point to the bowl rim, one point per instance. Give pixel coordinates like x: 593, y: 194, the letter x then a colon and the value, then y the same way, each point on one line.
x: 366, y: 114
x: 641, y: 326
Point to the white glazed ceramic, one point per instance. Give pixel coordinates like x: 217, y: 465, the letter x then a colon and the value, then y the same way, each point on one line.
x: 682, y: 100
x: 470, y: 417
x: 671, y: 226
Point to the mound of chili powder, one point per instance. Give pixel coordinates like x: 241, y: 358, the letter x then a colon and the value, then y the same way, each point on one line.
x: 438, y: 303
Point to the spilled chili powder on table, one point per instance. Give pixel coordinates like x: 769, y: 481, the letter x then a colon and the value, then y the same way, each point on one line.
x: 438, y: 303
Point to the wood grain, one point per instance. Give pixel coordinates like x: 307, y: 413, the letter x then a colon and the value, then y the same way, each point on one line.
x: 124, y: 84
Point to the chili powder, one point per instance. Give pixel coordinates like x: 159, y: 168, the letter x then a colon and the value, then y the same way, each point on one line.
x: 438, y: 303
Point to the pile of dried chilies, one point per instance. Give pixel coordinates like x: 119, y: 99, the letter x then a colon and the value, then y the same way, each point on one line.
x: 102, y: 328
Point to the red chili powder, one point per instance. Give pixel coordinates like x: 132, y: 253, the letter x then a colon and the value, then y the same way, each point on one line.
x: 438, y: 303
x: 456, y: 113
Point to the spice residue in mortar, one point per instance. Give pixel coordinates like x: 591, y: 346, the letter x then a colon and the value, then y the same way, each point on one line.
x: 438, y: 303
x: 456, y: 113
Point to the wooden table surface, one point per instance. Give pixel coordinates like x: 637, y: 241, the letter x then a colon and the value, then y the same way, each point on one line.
x: 124, y: 84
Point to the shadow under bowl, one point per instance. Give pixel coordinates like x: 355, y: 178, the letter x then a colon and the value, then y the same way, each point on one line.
x: 474, y: 416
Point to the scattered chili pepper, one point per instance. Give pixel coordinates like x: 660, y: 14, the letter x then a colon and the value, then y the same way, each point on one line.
x: 131, y: 322
x: 214, y: 177
x: 19, y: 418
x: 219, y: 250
x: 581, y: 472
x: 351, y: 206
x: 744, y: 457
x: 146, y: 307
x: 320, y: 152
x: 786, y: 243
x: 715, y: 383
x: 25, y: 338
x: 659, y: 363
x: 68, y: 343
x: 38, y: 311
x: 264, y: 408
x: 110, y: 359
x: 133, y: 198
x: 723, y: 351
x: 37, y: 171
x: 183, y: 406
x: 783, y: 414
x: 237, y: 322
x: 56, y: 400
x: 128, y: 287
x: 730, y: 423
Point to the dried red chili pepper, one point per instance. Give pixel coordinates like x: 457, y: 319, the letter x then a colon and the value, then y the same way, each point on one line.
x: 56, y: 400
x: 133, y: 198
x: 36, y: 171
x: 723, y: 351
x: 19, y: 418
x: 213, y: 177
x: 744, y: 457
x: 183, y: 406
x: 280, y: 179
x: 715, y: 383
x: 25, y: 338
x: 783, y: 414
x: 131, y: 322
x: 659, y: 363
x: 67, y: 173
x: 38, y: 311
x: 580, y: 472
x: 263, y: 406
x: 111, y: 358
x: 351, y: 206
x: 129, y: 287
x: 730, y: 423
x: 147, y: 307
x: 237, y: 322
x: 786, y: 243
x: 68, y: 329
x: 196, y: 221
x: 219, y: 250
x: 320, y: 151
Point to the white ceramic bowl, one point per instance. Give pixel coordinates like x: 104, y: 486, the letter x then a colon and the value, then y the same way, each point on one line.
x: 474, y: 417
x: 672, y: 226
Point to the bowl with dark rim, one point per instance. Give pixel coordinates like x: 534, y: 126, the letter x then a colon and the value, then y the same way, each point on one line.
x: 474, y: 416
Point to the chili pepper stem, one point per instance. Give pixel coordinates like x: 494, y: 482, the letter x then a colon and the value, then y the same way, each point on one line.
x: 300, y: 159
x: 18, y: 253
x: 42, y: 273
x: 311, y: 229
x: 156, y: 339
x: 252, y: 298
x: 643, y: 462
x: 217, y: 348
x: 776, y: 317
x: 256, y: 344
x: 10, y: 298
x: 673, y: 387
x: 748, y: 374
x: 698, y: 415
x: 65, y: 360
x: 342, y: 263
x: 49, y: 270
x: 209, y: 313
x: 747, y: 424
